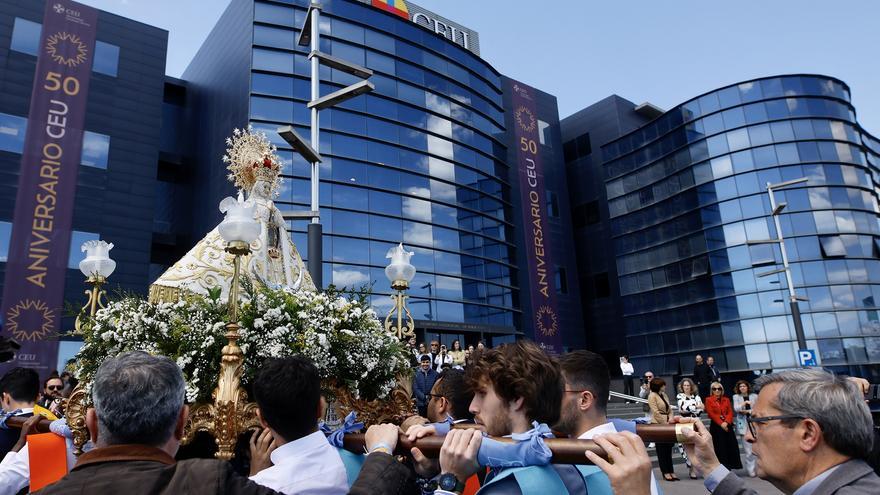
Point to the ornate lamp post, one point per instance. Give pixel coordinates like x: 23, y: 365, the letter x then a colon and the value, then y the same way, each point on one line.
x: 400, y: 273
x: 230, y: 414
x: 97, y: 267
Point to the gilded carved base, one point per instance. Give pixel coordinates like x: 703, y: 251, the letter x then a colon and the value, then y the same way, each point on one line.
x: 75, y: 412
x: 394, y: 409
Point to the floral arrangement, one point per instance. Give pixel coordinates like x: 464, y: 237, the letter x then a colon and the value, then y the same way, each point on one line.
x: 340, y: 334
x: 250, y: 155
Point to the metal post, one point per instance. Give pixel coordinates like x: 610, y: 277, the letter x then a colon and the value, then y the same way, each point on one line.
x: 315, y: 230
x: 792, y: 297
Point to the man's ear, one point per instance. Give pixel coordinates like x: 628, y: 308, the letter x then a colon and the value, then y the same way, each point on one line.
x: 263, y: 422
x: 517, y: 404
x: 181, y: 422
x: 586, y: 400
x: 809, y: 435
x: 92, y: 424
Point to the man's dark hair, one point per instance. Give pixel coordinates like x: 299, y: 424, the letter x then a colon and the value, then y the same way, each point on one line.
x: 22, y: 384
x: 588, y: 371
x: 521, y: 369
x: 288, y: 392
x: 424, y: 358
x: 453, y: 385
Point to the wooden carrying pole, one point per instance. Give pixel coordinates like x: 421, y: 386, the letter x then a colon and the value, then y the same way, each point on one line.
x: 565, y: 450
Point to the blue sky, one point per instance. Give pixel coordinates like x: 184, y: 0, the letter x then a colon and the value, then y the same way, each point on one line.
x: 664, y: 52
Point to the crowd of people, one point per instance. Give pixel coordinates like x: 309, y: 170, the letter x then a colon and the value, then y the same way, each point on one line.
x: 809, y: 431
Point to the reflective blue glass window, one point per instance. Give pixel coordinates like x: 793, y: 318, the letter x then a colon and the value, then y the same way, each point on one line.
x: 12, y: 132
x: 347, y: 31
x: 274, y: 14
x: 379, y: 41
x: 5, y: 237
x: 95, y: 149
x: 418, y: 233
x: 354, y: 198
x: 272, y: 109
x: 274, y: 61
x: 272, y: 85
x: 350, y: 223
x: 351, y: 250
x: 26, y: 36
x: 274, y: 37
x: 750, y: 91
x: 77, y: 239
x: 385, y: 228
x: 831, y: 352
x: 106, y: 58
x: 350, y: 276
x: 383, y: 202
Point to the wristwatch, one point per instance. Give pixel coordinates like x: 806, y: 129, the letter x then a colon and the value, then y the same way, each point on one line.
x: 448, y: 482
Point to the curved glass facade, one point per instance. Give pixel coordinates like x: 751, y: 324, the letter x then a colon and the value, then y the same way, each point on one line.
x: 686, y: 193
x: 420, y: 160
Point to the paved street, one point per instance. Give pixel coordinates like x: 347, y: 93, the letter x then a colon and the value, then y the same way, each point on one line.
x: 688, y: 486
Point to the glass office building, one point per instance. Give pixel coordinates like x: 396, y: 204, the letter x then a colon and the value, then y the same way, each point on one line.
x: 687, y: 192
x: 422, y: 159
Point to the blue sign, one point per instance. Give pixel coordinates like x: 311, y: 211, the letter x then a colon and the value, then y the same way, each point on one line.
x: 807, y: 357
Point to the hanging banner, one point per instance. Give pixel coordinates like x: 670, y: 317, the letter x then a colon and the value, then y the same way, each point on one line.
x: 540, y: 282
x: 33, y: 291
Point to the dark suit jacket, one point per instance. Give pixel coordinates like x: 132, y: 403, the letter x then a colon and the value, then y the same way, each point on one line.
x: 851, y: 478
x: 702, y: 374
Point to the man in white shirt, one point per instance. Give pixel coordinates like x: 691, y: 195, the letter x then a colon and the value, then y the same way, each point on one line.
x: 585, y: 401
x: 288, y: 393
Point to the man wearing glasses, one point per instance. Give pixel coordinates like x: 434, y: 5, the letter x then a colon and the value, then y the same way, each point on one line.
x: 810, y: 431
x: 52, y: 395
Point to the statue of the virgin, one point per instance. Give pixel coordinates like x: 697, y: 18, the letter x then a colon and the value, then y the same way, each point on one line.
x: 254, y: 167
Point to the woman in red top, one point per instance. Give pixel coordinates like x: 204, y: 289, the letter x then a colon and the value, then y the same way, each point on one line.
x: 720, y: 411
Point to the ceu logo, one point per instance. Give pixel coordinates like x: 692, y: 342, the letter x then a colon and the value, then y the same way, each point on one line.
x: 59, y: 9
x: 30, y: 320
x: 525, y: 119
x: 396, y: 7
x: 66, y: 49
x: 547, y: 322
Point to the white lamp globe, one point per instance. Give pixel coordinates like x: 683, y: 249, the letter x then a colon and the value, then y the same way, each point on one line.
x: 239, y: 224
x: 97, y: 263
x: 400, y: 269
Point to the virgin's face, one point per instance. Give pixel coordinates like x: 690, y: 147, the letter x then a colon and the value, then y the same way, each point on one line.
x: 262, y: 190
x: 743, y: 389
x: 686, y: 388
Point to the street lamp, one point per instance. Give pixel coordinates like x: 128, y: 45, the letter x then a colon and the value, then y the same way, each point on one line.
x: 230, y: 414
x: 775, y: 211
x: 310, y: 35
x: 97, y: 267
x: 400, y: 273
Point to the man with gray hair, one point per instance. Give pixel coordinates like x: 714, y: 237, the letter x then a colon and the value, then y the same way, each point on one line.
x: 137, y: 423
x: 810, y: 431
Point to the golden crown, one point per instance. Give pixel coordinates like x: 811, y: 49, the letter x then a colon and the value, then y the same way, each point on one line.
x: 251, y: 157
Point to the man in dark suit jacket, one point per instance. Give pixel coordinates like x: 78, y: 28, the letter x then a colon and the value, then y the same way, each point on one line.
x: 811, y: 432
x: 19, y: 389
x: 702, y: 376
x: 423, y: 382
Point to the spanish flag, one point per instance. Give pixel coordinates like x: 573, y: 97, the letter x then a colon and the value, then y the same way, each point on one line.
x: 396, y: 7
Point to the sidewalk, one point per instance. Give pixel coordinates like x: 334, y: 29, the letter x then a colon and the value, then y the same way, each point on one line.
x: 688, y: 486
